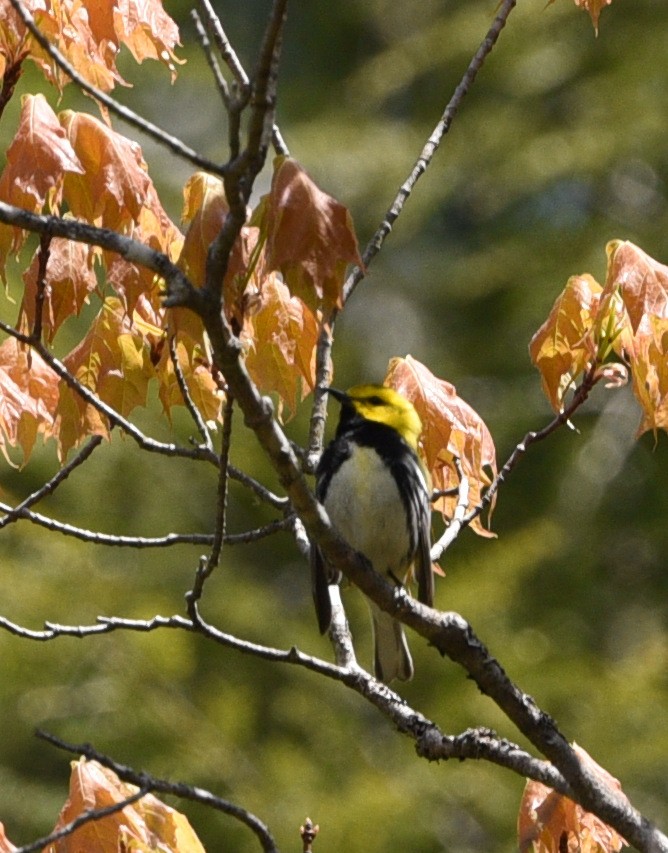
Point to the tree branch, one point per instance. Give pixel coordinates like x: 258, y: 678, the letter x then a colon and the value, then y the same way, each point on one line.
x: 149, y: 783
x: 427, y: 154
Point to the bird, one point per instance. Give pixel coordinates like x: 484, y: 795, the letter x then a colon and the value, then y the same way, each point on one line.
x: 375, y: 490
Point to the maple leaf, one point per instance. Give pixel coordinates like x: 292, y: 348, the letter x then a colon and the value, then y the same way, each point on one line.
x: 147, y: 31
x: 147, y: 824
x: 38, y: 159
x: 69, y: 280
x: 28, y: 397
x: 113, y: 361
x: 452, y: 434
x: 310, y: 236
x: 641, y: 281
x: 564, y: 346
x: 115, y: 184
x: 196, y: 370
x: 281, y: 337
x: 548, y: 822
x: 205, y: 208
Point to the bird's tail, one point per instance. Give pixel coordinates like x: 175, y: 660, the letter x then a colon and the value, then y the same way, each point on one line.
x: 391, y: 656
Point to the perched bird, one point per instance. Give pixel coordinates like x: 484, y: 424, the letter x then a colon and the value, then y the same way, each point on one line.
x: 375, y: 491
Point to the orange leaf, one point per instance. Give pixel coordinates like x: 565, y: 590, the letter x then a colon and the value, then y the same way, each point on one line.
x: 28, y: 397
x: 281, y: 337
x: 146, y: 30
x: 204, y: 210
x: 549, y: 822
x: 594, y: 7
x: 451, y: 430
x: 115, y: 184
x: 38, y: 158
x: 564, y: 347
x: 147, y: 824
x: 113, y: 361
x: 641, y: 281
x: 648, y: 357
x: 196, y: 370
x: 70, y: 279
x: 310, y: 236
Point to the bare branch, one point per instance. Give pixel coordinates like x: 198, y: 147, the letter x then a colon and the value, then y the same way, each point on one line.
x: 95, y: 537
x: 221, y: 83
x: 40, y: 287
x: 195, y: 413
x: 153, y: 131
x: 148, y: 783
x: 457, y: 522
x: 427, y: 154
x: 580, y: 396
x: 14, y: 513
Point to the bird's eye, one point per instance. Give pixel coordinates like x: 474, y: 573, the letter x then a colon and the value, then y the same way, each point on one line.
x: 375, y: 400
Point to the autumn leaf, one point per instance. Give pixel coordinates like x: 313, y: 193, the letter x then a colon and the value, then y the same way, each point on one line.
x: 204, y: 210
x: 548, y: 822
x: 28, y: 398
x: 564, y: 346
x: 453, y: 434
x: 38, y: 158
x: 114, y: 185
x: 641, y: 281
x: 196, y: 371
x: 69, y: 280
x: 147, y: 824
x: 281, y: 337
x: 113, y: 361
x: 594, y: 7
x: 310, y: 236
x: 146, y: 30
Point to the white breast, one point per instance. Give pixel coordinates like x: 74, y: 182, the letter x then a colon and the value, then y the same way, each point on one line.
x: 364, y: 504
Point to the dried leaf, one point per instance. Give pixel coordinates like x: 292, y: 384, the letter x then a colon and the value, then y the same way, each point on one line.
x: 148, y: 824
x: 564, y: 346
x: 550, y: 823
x: 641, y: 281
x: 28, y: 397
x: 114, y: 186
x: 451, y: 430
x: 70, y: 279
x: 147, y: 31
x: 281, y: 337
x: 204, y: 210
x: 38, y: 159
x: 310, y: 236
x: 113, y: 361
x: 196, y: 370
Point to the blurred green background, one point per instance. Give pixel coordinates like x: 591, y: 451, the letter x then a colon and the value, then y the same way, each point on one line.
x: 559, y: 147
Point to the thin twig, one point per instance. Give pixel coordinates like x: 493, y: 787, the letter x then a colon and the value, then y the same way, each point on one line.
x: 195, y: 413
x: 40, y: 286
x: 14, y: 513
x: 221, y: 83
x: 148, y: 783
x: 175, y: 145
x: 95, y: 537
x: 223, y: 481
x: 453, y: 529
x: 581, y: 394
x: 427, y: 154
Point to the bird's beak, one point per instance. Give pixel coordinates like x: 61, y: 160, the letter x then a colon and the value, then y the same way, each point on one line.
x: 341, y: 396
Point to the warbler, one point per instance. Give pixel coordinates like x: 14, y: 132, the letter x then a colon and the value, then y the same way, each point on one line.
x: 374, y: 488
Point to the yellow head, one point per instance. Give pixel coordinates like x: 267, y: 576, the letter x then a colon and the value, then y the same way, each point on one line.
x: 385, y: 406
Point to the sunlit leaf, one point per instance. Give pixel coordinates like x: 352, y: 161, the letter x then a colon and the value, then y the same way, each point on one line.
x: 147, y: 824
x: 452, y: 434
x: 281, y: 337
x: 70, y: 279
x: 310, y: 236
x: 113, y: 361
x: 641, y: 281
x: 564, y: 346
x: 115, y: 184
x: 551, y: 823
x: 38, y: 159
x: 28, y: 397
x: 6, y: 845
